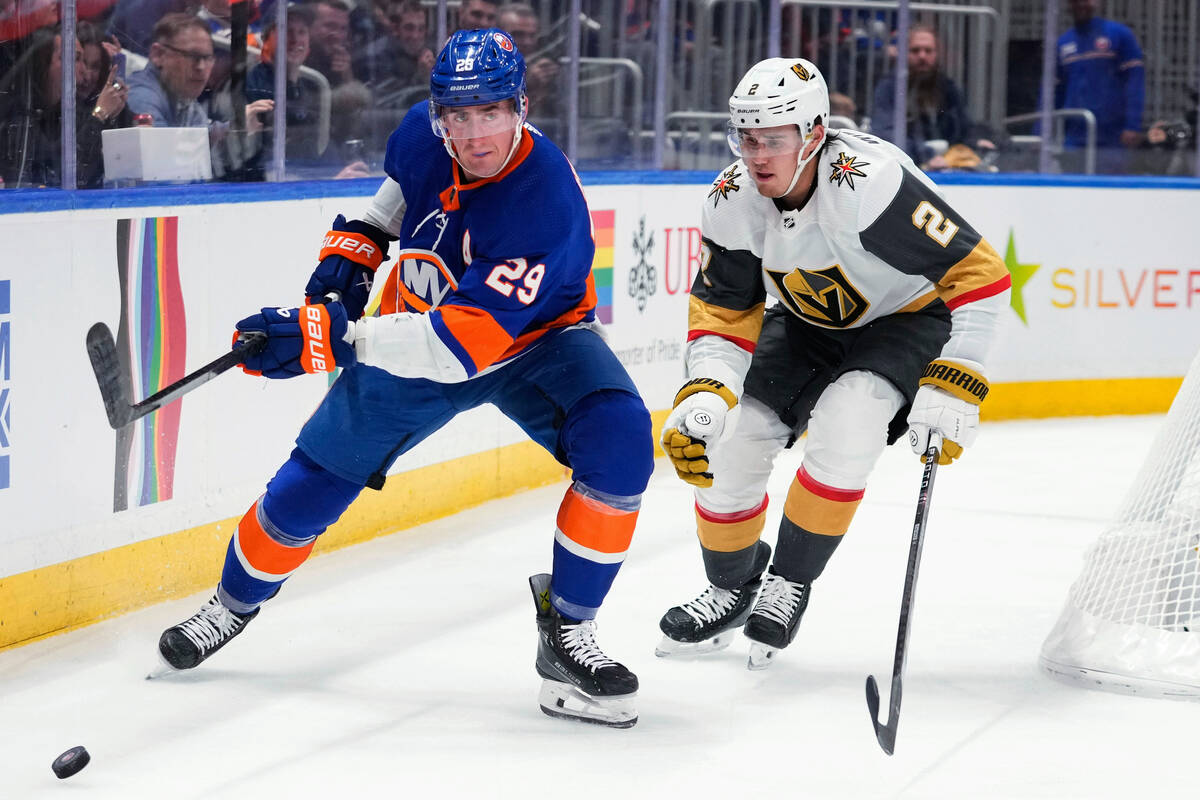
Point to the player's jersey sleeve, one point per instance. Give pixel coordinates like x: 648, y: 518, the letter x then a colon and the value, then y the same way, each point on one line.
x: 1132, y: 71
x: 906, y: 223
x: 725, y: 309
x: 387, y: 208
x: 507, y: 301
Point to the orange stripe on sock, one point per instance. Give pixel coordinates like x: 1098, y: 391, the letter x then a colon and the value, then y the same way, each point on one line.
x: 264, y: 553
x: 819, y: 508
x: 728, y: 533
x: 594, y: 525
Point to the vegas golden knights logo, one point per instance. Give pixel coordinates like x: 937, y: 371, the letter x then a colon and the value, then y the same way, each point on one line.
x: 801, y: 73
x: 824, y: 297
x: 725, y: 184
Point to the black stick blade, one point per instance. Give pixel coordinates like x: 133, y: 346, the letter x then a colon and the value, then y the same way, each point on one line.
x: 885, y: 734
x: 102, y: 352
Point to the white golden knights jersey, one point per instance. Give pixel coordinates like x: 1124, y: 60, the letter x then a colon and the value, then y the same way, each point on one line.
x: 874, y: 238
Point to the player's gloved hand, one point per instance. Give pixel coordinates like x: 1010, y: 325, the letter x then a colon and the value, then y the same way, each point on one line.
x: 350, y: 254
x: 695, y: 422
x: 947, y: 402
x: 315, y: 338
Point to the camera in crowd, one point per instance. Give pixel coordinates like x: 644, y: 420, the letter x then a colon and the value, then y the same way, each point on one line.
x: 1177, y: 134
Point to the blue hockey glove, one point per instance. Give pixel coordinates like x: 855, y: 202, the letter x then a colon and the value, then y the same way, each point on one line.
x: 350, y: 254
x: 314, y: 338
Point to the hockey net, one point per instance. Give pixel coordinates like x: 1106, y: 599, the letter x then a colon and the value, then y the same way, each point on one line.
x: 1132, y: 619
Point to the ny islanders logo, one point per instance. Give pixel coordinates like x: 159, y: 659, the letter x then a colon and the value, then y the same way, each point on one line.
x: 419, y: 281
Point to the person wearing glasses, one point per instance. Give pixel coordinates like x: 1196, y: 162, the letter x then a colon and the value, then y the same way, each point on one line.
x: 181, y: 60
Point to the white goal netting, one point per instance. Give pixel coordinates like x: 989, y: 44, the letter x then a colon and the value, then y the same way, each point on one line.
x: 1132, y: 619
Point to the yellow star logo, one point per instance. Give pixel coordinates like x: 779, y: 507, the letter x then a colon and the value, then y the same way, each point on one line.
x: 1021, y: 273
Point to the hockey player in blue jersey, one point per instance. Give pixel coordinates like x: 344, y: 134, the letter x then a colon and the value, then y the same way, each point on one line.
x: 491, y: 301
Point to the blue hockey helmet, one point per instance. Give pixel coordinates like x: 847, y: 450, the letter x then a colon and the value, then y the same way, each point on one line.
x: 478, y: 67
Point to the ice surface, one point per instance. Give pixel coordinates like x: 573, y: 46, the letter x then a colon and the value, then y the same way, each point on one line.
x: 403, y: 668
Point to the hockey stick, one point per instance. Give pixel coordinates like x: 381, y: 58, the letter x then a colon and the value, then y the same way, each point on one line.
x: 886, y: 734
x: 102, y: 351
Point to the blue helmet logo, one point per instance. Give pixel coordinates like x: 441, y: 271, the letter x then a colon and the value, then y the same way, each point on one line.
x: 478, y: 67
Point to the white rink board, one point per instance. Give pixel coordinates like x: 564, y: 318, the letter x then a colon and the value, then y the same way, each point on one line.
x: 1135, y: 250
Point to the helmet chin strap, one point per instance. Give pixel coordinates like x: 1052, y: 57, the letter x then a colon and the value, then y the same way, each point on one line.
x: 801, y: 162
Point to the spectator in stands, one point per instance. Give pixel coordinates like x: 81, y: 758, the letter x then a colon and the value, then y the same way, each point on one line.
x: 1099, y: 67
x: 304, y: 153
x: 329, y: 54
x: 542, y: 84
x: 31, y: 117
x: 181, y: 60
x: 474, y: 14
x: 937, y: 109
x: 403, y: 58
x: 302, y: 103
x: 133, y: 21
x: 841, y: 105
x: 98, y: 54
x: 368, y: 24
x: 330, y: 42
x: 1171, y: 145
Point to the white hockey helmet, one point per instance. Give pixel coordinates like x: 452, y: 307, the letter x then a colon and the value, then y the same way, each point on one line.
x: 780, y: 91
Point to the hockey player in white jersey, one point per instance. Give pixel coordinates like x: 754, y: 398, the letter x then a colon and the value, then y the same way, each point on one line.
x: 888, y: 301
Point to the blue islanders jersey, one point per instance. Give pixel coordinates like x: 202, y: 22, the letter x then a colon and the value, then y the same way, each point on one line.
x: 1100, y: 68
x: 498, y: 263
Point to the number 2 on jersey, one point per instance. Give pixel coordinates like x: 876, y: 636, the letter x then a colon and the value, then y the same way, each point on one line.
x: 934, y: 223
x: 503, y: 278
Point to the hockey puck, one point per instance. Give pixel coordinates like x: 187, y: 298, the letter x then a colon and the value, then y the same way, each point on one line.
x: 71, y: 762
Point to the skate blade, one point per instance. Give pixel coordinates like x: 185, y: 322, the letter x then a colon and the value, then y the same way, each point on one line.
x: 564, y: 701
x: 161, y: 670
x: 761, y: 656
x: 670, y: 648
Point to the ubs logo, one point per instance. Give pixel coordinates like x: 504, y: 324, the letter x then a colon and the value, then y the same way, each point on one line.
x: 5, y: 377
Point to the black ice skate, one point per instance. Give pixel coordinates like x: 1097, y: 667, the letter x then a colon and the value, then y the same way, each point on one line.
x: 207, y: 631
x: 706, y: 624
x: 776, y: 616
x: 579, y: 681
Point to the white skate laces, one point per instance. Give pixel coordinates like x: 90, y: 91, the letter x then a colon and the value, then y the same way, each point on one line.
x: 579, y: 640
x: 779, y: 598
x: 712, y: 604
x: 212, y: 623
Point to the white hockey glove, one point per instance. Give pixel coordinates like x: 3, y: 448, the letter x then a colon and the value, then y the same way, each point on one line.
x: 695, y: 422
x: 947, y: 403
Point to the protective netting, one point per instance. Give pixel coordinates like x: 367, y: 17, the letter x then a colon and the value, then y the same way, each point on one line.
x: 1132, y: 619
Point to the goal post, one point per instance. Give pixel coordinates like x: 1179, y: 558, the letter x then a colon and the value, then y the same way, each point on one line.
x: 1131, y: 623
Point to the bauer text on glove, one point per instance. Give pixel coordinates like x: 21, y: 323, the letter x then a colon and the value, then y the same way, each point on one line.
x: 315, y: 338
x: 350, y: 254
x: 947, y: 402
x: 696, y: 421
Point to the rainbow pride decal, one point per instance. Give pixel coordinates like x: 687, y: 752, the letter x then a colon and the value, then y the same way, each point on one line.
x: 603, y: 225
x: 153, y: 337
